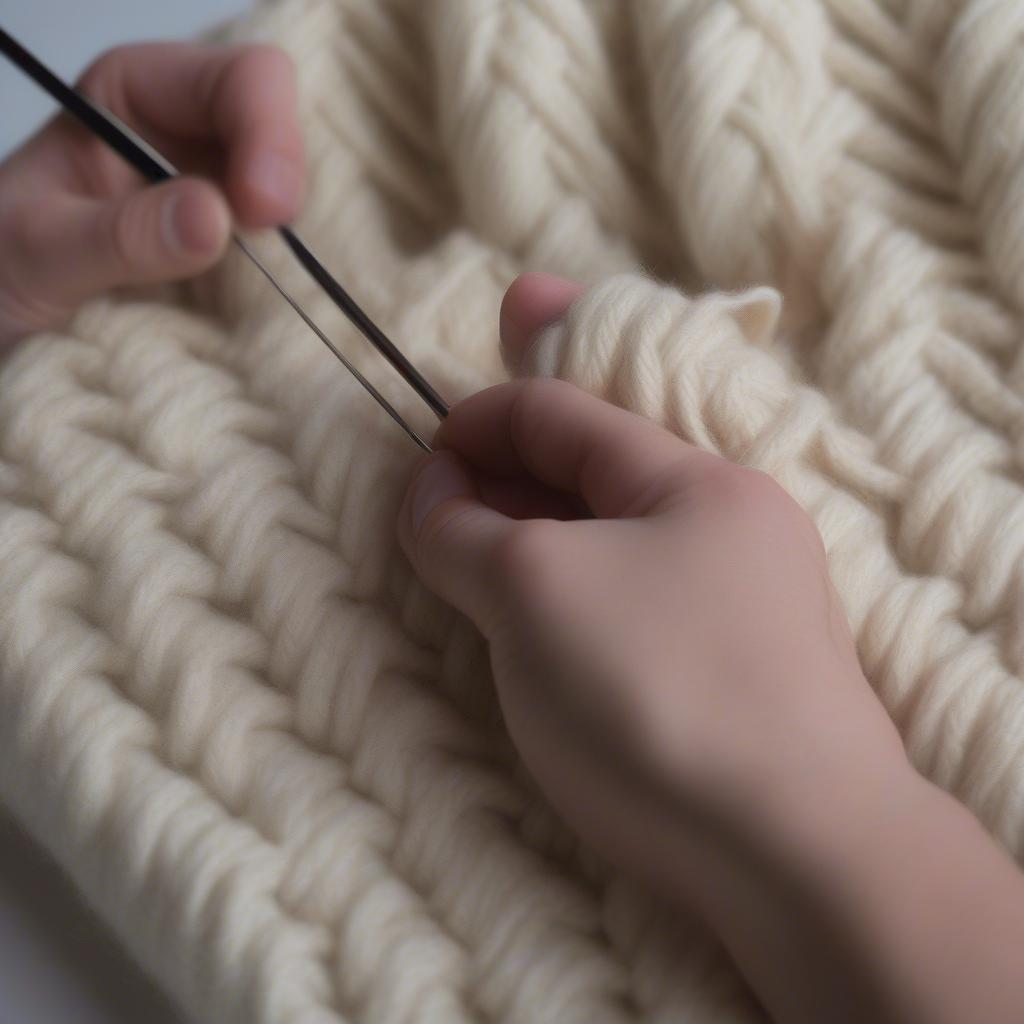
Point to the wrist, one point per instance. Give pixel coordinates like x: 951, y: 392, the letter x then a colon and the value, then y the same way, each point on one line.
x: 886, y: 901
x: 837, y: 765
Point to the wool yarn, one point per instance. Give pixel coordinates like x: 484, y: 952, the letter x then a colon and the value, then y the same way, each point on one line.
x: 267, y: 757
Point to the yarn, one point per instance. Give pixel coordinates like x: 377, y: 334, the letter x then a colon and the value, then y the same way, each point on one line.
x: 267, y: 757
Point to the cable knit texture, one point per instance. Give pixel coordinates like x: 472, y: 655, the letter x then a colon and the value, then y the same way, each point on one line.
x: 265, y: 754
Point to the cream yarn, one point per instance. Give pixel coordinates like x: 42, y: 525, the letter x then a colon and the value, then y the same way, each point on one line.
x: 267, y: 757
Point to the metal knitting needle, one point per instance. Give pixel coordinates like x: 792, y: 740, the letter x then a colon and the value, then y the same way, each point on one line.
x: 311, y: 324
x: 153, y: 165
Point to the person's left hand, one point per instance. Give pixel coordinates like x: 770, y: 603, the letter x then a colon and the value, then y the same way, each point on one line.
x: 76, y: 219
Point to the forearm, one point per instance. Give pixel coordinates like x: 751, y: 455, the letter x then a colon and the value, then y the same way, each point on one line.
x: 895, y: 908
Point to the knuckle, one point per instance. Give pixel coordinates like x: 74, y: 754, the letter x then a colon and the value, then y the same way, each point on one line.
x: 539, y: 392
x: 534, y: 397
x: 100, y: 77
x: 742, y: 493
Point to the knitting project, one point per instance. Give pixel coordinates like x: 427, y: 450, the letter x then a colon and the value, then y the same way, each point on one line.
x: 264, y: 753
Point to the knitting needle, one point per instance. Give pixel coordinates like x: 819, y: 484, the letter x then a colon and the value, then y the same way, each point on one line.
x: 156, y: 167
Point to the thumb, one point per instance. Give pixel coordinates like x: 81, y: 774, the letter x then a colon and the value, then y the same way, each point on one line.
x: 161, y: 233
x: 451, y: 537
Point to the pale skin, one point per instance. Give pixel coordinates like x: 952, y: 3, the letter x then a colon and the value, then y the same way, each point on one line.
x: 74, y: 218
x: 672, y: 661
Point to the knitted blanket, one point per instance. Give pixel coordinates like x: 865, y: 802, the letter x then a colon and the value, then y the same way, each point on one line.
x: 264, y: 753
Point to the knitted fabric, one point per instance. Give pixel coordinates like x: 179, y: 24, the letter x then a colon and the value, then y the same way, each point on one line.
x: 265, y: 754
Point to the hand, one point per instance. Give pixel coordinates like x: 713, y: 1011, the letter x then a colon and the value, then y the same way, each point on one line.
x: 678, y: 656
x: 76, y: 219
x: 676, y: 670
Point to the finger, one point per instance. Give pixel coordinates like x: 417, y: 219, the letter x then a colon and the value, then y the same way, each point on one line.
x: 161, y: 233
x: 241, y: 98
x: 531, y: 302
x: 619, y: 463
x: 451, y: 538
x: 523, y: 497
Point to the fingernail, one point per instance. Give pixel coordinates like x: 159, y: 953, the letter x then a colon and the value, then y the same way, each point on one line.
x: 191, y: 224
x: 277, y: 178
x: 438, y: 481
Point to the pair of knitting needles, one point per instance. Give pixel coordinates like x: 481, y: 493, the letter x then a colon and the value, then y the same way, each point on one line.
x: 152, y: 165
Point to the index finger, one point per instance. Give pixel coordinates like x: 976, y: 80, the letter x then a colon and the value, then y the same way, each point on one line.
x: 241, y: 98
x: 619, y: 463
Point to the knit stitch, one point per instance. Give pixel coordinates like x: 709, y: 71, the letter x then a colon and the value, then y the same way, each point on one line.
x: 265, y: 754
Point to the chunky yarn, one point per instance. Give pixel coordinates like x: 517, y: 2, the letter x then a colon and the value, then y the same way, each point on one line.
x: 266, y: 756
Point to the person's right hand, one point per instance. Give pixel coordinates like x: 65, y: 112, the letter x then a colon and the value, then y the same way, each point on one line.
x: 674, y: 654
x: 676, y: 671
x: 76, y: 219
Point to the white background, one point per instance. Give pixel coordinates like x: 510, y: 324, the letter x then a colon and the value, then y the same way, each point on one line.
x: 57, y: 966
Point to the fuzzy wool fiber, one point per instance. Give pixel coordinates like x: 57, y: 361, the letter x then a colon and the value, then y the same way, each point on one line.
x: 273, y: 762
